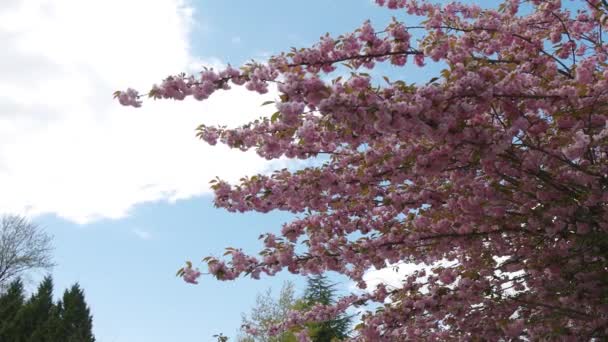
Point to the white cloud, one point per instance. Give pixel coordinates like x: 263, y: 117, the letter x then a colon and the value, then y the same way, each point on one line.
x: 66, y: 147
x: 394, y: 275
x: 142, y: 234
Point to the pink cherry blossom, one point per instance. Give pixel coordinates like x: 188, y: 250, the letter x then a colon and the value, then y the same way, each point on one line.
x: 494, y: 173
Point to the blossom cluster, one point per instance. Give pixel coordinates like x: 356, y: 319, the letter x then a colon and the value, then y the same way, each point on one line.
x: 503, y: 156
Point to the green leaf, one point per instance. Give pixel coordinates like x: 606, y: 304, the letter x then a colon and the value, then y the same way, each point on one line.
x: 275, y: 116
x: 432, y: 80
x: 266, y: 103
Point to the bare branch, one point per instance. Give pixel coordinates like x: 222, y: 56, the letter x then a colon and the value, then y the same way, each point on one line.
x: 24, y: 246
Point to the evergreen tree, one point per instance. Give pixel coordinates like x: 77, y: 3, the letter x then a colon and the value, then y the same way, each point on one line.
x: 39, y: 319
x: 320, y: 291
x: 32, y: 320
x: 76, y: 320
x: 52, y: 328
x: 11, y: 301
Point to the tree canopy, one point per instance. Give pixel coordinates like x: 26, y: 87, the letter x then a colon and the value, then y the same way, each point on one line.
x: 40, y: 319
x: 319, y: 291
x: 24, y: 246
x: 494, y: 173
x: 269, y: 311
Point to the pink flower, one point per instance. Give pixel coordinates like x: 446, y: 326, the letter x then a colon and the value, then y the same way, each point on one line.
x: 191, y: 275
x: 503, y: 154
x: 130, y: 97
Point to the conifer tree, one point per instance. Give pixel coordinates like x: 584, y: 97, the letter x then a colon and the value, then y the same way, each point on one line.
x: 31, y: 322
x: 76, y: 319
x: 320, y: 291
x: 11, y: 301
x: 39, y: 319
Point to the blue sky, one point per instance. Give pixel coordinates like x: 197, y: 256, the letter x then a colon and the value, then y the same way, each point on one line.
x: 124, y: 191
x: 127, y: 200
x: 130, y: 282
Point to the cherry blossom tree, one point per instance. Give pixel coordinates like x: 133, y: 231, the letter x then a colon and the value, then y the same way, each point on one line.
x: 494, y: 173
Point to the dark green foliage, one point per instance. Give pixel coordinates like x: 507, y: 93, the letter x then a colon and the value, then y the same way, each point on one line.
x: 39, y: 319
x: 11, y: 302
x: 76, y: 320
x: 320, y: 291
x: 32, y: 320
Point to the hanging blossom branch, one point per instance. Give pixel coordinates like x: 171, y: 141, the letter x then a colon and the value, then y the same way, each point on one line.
x: 502, y: 156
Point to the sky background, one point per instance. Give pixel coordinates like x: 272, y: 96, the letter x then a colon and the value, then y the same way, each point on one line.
x: 125, y: 191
